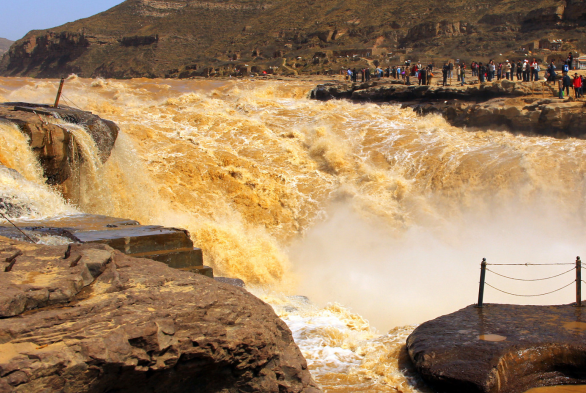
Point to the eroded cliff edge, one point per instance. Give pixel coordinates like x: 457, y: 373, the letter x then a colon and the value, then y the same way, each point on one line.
x: 528, y: 108
x: 94, y: 320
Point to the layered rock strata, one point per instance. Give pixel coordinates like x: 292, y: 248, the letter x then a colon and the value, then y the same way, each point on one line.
x: 501, y: 348
x: 520, y: 107
x: 94, y: 320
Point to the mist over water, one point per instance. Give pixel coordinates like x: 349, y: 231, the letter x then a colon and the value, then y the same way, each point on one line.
x: 381, y: 218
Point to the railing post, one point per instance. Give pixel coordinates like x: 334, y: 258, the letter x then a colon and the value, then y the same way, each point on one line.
x: 481, y: 288
x: 578, y: 282
x: 59, y: 93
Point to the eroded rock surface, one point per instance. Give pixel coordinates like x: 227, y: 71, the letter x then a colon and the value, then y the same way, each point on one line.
x: 520, y: 107
x: 543, y: 116
x: 502, y: 348
x: 54, y: 144
x: 96, y: 320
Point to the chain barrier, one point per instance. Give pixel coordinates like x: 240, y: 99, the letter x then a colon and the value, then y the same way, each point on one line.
x: 536, y: 279
x: 541, y: 294
x: 577, y: 267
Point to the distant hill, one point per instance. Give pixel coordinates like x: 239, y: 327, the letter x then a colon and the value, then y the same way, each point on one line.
x: 4, y: 45
x: 182, y: 38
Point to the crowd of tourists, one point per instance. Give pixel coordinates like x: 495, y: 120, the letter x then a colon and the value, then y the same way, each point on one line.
x: 523, y: 70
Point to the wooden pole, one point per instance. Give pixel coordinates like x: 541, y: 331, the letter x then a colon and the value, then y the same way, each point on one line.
x: 59, y: 93
x: 578, y: 282
x: 481, y: 288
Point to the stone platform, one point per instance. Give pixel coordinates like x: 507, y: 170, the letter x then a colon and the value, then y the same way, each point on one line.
x: 502, y: 348
x: 169, y: 245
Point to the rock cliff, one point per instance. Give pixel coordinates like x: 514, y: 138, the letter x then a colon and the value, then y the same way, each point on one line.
x: 183, y: 38
x: 95, y: 320
x: 4, y: 45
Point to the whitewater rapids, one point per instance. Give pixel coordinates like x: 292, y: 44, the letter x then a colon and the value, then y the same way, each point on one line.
x: 379, y: 217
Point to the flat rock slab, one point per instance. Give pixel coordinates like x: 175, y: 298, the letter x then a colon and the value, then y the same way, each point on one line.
x: 502, y: 348
x: 170, y: 245
x: 136, y: 325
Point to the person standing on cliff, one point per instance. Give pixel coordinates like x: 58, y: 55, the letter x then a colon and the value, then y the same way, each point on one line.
x: 508, y: 70
x: 577, y: 86
x: 534, y: 72
x: 463, y: 73
x: 519, y: 70
x: 481, y: 72
x: 445, y: 73
x: 551, y: 76
x: 567, y: 83
x: 570, y: 60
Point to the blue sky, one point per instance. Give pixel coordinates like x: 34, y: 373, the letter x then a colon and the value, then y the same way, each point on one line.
x: 19, y: 17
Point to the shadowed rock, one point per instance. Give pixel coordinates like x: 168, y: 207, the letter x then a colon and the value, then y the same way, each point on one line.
x: 502, y: 348
x: 96, y: 320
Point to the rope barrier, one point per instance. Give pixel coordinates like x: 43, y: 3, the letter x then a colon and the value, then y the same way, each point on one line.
x: 536, y: 279
x: 541, y: 294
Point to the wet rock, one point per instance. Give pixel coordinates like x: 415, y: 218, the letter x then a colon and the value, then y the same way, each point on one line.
x: 501, y: 348
x: 53, y: 144
x: 109, y: 322
x: 528, y: 115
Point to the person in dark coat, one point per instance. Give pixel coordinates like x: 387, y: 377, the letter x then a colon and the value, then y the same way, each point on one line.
x: 551, y: 76
x: 567, y: 83
x: 445, y: 73
x: 481, y: 72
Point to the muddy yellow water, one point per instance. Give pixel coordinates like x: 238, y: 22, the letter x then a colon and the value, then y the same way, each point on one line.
x: 379, y: 217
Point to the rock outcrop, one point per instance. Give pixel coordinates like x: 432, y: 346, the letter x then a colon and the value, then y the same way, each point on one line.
x: 520, y: 107
x: 395, y: 90
x: 501, y: 348
x: 542, y: 116
x: 53, y: 143
x: 96, y: 320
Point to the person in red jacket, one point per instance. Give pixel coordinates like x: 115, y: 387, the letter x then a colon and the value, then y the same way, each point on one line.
x: 577, y: 86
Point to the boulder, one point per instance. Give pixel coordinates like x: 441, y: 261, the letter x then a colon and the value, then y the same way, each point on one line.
x: 54, y: 143
x: 96, y: 320
x: 501, y: 348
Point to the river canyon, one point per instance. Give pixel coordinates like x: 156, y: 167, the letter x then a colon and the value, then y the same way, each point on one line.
x: 356, y: 222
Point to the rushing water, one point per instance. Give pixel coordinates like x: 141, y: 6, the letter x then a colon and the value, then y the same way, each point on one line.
x: 379, y: 217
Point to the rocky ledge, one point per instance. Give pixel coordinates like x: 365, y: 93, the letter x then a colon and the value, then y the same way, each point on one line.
x: 395, y: 90
x: 530, y: 108
x: 53, y: 142
x: 502, y: 348
x: 90, y: 319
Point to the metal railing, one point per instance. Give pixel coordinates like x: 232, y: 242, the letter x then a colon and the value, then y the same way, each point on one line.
x: 578, y: 281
